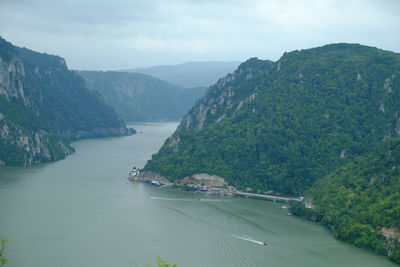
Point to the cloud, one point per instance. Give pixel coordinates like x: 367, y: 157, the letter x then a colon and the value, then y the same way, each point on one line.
x: 99, y: 34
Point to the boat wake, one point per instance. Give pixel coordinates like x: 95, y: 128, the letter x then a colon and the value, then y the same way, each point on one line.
x: 248, y: 238
x: 210, y: 200
x: 172, y: 199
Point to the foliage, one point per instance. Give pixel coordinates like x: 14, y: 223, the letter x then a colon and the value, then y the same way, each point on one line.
x: 161, y: 263
x: 46, y: 107
x: 314, y: 120
x: 281, y: 126
x: 62, y: 100
x: 164, y: 263
x: 3, y: 259
x: 360, y: 198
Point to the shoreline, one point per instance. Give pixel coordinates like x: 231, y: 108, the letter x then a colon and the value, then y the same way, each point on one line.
x: 208, y: 188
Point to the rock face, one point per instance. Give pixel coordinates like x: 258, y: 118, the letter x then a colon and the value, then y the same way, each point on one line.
x: 220, y: 99
x: 12, y: 73
x: 44, y: 106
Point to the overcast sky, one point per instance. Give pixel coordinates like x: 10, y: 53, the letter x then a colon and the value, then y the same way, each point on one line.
x: 119, y: 34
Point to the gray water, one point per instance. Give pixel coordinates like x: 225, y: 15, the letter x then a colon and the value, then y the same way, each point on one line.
x: 81, y: 211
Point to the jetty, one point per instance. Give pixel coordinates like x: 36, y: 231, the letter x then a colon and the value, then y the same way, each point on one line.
x: 208, y: 184
x: 269, y: 197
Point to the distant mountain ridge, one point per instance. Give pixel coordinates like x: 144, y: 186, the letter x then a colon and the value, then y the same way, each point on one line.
x: 140, y: 97
x: 44, y: 106
x: 190, y: 74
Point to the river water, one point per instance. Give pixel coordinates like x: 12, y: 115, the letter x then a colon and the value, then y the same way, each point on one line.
x: 81, y: 211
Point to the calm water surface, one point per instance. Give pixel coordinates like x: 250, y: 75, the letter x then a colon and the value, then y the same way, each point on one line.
x: 82, y: 212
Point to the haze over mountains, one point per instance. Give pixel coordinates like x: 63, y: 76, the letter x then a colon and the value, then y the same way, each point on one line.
x: 159, y: 93
x: 140, y: 97
x: 190, y: 74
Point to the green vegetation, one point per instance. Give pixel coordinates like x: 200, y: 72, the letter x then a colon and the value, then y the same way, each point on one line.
x: 44, y: 106
x: 281, y: 126
x: 3, y: 259
x: 311, y: 124
x: 60, y: 97
x: 139, y: 97
x: 161, y: 263
x: 357, y: 200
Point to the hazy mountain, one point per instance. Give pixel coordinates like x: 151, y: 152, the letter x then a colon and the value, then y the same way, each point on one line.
x: 140, y: 97
x: 190, y: 74
x: 43, y: 106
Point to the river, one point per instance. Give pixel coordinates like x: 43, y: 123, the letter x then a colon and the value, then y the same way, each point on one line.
x: 81, y: 211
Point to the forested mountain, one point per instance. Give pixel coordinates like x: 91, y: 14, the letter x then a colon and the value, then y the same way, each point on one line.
x: 360, y: 202
x: 44, y: 106
x: 321, y: 123
x: 281, y: 125
x: 139, y: 97
x: 191, y: 74
x: 318, y: 123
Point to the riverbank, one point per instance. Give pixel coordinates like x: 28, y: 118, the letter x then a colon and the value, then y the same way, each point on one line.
x: 76, y: 209
x: 204, y: 183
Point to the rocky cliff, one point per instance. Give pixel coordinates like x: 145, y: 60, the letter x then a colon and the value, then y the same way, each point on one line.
x: 44, y: 106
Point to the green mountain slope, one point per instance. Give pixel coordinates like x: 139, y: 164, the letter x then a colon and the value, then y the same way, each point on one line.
x: 360, y: 202
x: 282, y: 125
x: 139, y: 97
x: 44, y: 106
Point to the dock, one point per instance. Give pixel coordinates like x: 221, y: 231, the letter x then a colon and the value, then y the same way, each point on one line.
x: 269, y: 197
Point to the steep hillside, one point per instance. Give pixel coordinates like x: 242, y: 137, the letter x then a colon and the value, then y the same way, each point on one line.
x: 360, y: 202
x: 282, y: 125
x: 190, y: 74
x: 43, y: 106
x: 139, y: 97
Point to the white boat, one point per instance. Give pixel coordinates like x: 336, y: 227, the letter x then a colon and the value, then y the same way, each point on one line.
x: 134, y: 174
x: 156, y: 183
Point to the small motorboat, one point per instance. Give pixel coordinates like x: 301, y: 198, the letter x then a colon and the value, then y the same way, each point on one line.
x: 264, y: 243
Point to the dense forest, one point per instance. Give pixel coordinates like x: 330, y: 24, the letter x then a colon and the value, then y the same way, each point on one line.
x: 139, y: 97
x: 281, y: 125
x: 360, y: 201
x: 317, y: 123
x: 44, y: 106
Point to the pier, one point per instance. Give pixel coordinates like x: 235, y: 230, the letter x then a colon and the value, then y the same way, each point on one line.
x: 269, y: 197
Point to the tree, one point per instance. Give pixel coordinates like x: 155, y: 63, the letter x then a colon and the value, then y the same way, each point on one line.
x: 164, y: 263
x: 3, y: 259
x: 160, y: 263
